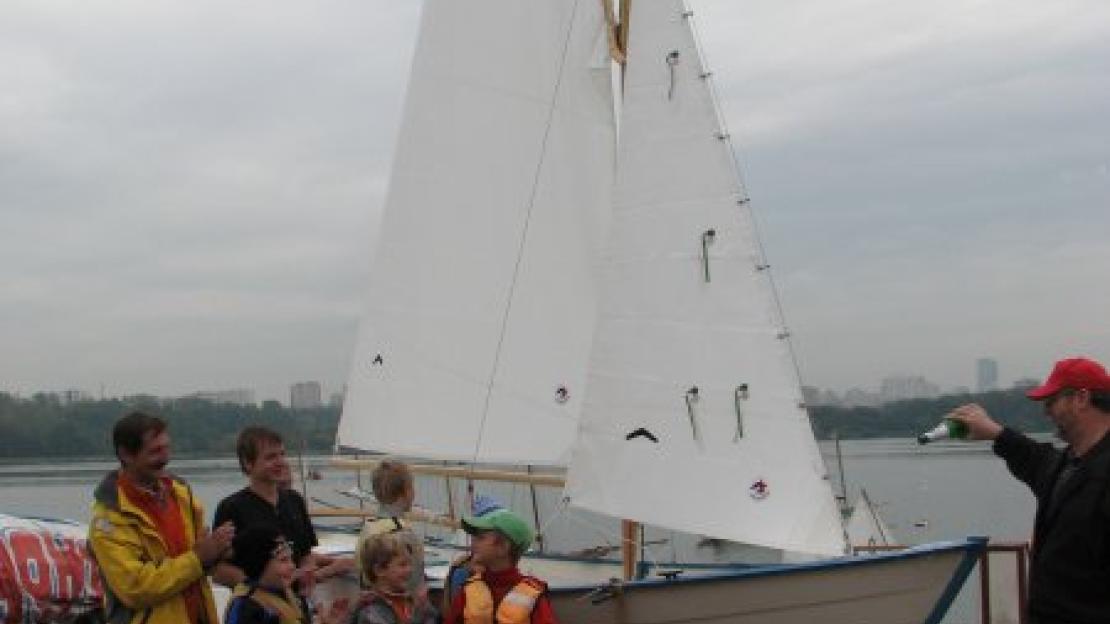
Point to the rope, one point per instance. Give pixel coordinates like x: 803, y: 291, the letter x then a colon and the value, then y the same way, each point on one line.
x: 650, y: 557
x: 524, y: 233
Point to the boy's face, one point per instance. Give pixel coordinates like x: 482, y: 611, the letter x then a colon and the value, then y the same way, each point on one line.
x: 270, y: 465
x: 279, y: 572
x: 490, y: 549
x: 394, y: 576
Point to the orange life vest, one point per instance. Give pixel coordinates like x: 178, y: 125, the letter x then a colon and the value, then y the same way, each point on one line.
x: 515, y: 608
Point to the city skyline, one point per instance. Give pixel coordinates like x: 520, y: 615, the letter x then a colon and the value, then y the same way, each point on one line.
x: 311, y: 393
x: 930, y: 181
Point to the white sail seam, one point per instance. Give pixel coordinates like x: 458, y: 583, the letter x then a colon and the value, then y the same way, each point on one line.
x: 553, y: 106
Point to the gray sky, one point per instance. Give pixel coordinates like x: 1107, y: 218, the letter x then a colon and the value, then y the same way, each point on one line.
x: 188, y: 190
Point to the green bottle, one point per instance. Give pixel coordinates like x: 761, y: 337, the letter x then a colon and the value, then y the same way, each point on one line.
x: 947, y: 429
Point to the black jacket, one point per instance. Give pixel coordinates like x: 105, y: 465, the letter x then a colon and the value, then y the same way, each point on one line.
x: 1069, y: 580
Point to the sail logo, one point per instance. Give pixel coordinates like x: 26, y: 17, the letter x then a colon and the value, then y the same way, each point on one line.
x: 759, y: 490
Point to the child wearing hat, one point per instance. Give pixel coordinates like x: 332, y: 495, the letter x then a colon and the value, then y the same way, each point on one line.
x: 266, y: 596
x: 496, y: 590
x: 462, y: 567
x: 387, y: 562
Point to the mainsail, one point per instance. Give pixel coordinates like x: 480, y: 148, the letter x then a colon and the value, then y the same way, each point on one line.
x: 693, y: 418
x: 482, y: 295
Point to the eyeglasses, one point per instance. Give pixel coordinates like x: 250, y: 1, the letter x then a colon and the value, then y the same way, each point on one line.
x: 282, y: 547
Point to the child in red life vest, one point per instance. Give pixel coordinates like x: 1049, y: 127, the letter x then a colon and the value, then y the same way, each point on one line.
x: 387, y: 564
x: 497, y: 591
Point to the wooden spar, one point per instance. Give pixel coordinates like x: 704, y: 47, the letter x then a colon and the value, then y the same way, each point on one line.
x: 414, y: 516
x: 504, y: 476
x: 535, y: 512
x: 450, y: 498
x: 629, y: 533
x: 622, y: 33
x: 617, y: 29
x: 615, y: 50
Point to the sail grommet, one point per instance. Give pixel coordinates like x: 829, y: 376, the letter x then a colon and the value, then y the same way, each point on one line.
x: 707, y: 238
x: 672, y: 61
x: 691, y: 398
x: 739, y: 395
x: 562, y: 395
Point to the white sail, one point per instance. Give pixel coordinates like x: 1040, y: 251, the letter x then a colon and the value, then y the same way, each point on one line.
x: 482, y: 305
x: 670, y: 322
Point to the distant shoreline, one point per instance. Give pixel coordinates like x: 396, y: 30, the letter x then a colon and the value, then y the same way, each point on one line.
x: 42, y: 429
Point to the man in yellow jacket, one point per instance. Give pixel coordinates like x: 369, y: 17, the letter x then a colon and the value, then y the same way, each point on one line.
x: 148, y: 536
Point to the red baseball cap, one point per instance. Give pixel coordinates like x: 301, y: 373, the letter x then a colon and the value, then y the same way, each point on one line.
x: 1075, y: 373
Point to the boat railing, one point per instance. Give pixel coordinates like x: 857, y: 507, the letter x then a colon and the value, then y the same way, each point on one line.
x: 997, y: 596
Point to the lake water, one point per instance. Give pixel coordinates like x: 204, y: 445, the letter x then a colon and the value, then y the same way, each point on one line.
x: 925, y: 494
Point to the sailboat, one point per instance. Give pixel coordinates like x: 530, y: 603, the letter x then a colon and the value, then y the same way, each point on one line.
x: 568, y: 275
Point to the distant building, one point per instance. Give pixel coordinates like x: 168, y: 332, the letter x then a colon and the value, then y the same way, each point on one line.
x: 68, y: 397
x: 305, y: 395
x: 814, y: 397
x: 858, y: 397
x: 901, y: 388
x: 237, y: 396
x: 1026, y: 383
x: 336, y: 399
x: 986, y: 374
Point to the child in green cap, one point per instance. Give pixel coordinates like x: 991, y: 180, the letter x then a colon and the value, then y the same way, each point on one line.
x: 496, y: 590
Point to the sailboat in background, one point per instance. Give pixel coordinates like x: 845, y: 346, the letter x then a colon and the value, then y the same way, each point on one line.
x: 569, y: 275
x: 865, y: 527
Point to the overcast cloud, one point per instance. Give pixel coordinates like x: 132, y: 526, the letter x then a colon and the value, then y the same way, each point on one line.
x: 189, y: 191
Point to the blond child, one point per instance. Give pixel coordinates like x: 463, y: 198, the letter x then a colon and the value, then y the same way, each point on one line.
x: 386, y: 560
x: 394, y: 487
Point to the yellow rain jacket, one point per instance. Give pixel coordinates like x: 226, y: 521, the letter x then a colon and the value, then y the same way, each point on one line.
x: 142, y: 585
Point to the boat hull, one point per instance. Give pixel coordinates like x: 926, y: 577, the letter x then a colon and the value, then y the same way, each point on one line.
x: 915, y: 586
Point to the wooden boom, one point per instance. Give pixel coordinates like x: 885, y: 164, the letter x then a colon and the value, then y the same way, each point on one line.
x: 504, y: 476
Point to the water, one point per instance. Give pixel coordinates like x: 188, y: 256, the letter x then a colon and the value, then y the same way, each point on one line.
x: 937, y: 492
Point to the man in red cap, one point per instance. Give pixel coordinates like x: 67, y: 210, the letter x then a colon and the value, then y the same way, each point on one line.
x: 1069, y: 579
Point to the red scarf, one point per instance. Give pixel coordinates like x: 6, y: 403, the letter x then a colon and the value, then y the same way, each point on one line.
x: 162, y: 508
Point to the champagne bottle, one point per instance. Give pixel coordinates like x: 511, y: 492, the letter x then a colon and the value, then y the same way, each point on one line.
x: 947, y: 429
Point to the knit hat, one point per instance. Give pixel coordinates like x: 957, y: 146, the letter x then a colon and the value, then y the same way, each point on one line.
x: 254, y: 548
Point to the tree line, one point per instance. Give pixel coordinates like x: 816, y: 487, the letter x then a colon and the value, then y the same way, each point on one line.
x: 901, y: 419
x: 43, y: 426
